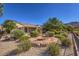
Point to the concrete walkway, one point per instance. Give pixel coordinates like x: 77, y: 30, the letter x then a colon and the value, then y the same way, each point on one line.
x: 68, y: 51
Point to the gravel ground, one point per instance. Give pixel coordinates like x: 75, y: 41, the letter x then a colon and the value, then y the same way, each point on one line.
x: 7, y: 48
x: 67, y: 52
x: 35, y: 51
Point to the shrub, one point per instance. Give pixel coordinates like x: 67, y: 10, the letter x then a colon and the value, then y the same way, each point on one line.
x: 50, y: 33
x: 76, y: 32
x: 61, y: 37
x: 66, y: 42
x: 24, y: 45
x: 64, y: 34
x: 23, y: 38
x: 53, y: 49
x: 57, y: 32
x: 17, y: 33
x: 34, y: 33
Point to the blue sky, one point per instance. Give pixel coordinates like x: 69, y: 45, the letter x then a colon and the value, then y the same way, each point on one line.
x: 39, y: 13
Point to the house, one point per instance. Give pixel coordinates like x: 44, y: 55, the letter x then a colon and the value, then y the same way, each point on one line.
x: 1, y: 27
x: 29, y: 27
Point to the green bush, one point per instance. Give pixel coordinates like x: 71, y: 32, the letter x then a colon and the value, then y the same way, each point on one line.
x: 53, y: 49
x: 34, y: 33
x: 76, y: 32
x: 24, y: 45
x: 50, y: 33
x: 61, y: 37
x: 23, y: 38
x: 17, y: 33
x: 64, y: 34
x: 66, y: 42
x: 57, y: 32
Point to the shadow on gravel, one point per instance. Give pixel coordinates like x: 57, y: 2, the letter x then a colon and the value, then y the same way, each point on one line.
x: 45, y: 53
x: 8, y: 40
x: 11, y: 53
x: 14, y: 53
x: 77, y: 42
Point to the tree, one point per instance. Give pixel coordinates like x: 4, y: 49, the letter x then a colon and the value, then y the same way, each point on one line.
x: 1, y: 9
x: 53, y: 23
x: 9, y: 25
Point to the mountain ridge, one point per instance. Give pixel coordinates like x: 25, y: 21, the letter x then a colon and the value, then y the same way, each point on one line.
x: 74, y: 24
